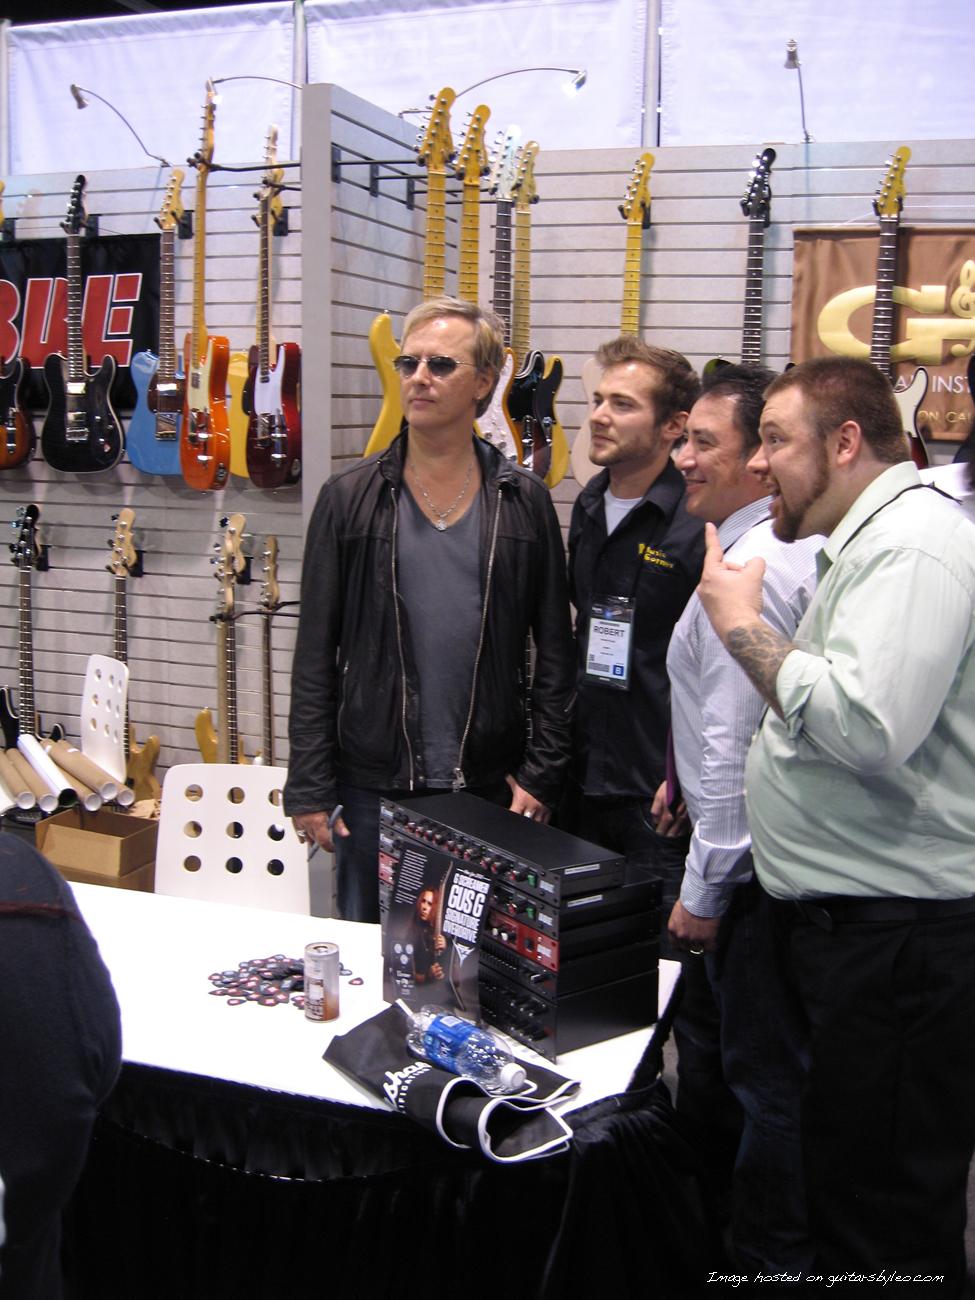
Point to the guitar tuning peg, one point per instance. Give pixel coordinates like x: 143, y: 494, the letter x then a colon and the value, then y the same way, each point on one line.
x: 115, y: 517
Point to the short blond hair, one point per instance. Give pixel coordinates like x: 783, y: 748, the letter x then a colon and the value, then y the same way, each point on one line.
x: 488, y: 334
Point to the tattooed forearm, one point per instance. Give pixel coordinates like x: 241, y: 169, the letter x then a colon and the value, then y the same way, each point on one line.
x: 760, y: 650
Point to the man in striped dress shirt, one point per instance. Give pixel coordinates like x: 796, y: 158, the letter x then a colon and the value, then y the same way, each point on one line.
x: 718, y: 918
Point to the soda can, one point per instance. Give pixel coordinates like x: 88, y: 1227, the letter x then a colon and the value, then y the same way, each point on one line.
x: 321, y: 981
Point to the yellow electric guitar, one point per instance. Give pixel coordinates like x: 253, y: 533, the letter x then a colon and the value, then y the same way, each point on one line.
x: 470, y: 165
x: 224, y: 746
x: 635, y: 211
x: 140, y: 760
x: 435, y: 148
x: 531, y: 397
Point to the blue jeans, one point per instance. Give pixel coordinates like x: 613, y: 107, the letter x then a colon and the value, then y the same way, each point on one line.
x: 763, y: 1061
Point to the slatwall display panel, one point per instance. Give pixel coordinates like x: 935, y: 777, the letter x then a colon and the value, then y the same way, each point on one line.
x: 171, y: 636
x: 694, y: 253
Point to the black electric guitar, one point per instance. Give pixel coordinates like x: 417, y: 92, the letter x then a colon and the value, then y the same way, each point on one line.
x: 81, y: 432
x: 25, y: 717
x: 140, y: 760
x: 887, y: 205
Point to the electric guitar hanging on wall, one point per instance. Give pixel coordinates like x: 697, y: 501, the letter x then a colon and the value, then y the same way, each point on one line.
x: 470, y: 165
x: 204, y: 445
x: 888, y: 205
x: 223, y: 745
x: 756, y: 204
x: 81, y: 433
x: 635, y: 211
x: 435, y: 147
x: 140, y: 760
x: 495, y: 425
x: 24, y: 718
x: 152, y: 442
x: 17, y: 440
x: 270, y: 397
x: 270, y: 604
x: 531, y: 399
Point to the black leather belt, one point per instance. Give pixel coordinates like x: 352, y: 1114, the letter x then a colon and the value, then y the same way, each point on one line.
x: 827, y: 912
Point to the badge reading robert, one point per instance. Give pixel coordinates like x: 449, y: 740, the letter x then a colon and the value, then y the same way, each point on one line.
x: 608, y: 649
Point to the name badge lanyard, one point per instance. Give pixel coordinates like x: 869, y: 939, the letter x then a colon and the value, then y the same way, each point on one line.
x: 609, y: 646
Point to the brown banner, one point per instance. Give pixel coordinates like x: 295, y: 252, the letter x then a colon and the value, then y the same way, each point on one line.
x: 834, y: 276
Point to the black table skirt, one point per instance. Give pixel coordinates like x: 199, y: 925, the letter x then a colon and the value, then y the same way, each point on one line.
x: 198, y: 1189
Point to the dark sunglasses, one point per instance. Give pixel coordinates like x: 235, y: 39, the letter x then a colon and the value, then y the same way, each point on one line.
x: 439, y: 367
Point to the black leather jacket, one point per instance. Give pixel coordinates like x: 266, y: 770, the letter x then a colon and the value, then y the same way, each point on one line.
x: 355, y: 706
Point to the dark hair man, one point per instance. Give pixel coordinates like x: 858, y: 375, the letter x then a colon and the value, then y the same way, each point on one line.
x: 634, y: 559
x: 719, y: 915
x: 863, y: 824
x: 426, y: 567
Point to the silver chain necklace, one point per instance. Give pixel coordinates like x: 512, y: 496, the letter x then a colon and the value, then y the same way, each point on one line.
x: 441, y: 522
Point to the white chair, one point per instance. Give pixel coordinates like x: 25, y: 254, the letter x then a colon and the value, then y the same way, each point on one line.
x: 223, y: 837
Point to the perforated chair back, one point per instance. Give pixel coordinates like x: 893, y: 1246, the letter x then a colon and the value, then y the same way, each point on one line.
x: 223, y: 837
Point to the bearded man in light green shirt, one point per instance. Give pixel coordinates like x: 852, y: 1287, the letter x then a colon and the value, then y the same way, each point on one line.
x: 860, y: 791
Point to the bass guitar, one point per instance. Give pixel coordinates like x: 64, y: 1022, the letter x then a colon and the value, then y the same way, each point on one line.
x: 152, y: 442
x: 270, y: 396
x: 531, y: 399
x: 635, y: 211
x: 24, y: 718
x: 204, y: 445
x: 224, y: 746
x: 140, y: 760
x: 887, y: 205
x: 81, y: 433
x: 495, y: 425
x: 434, y: 148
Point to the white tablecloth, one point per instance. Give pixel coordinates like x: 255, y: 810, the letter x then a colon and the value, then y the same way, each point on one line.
x: 161, y: 951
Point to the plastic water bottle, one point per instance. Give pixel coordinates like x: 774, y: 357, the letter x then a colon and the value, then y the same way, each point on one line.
x: 462, y: 1047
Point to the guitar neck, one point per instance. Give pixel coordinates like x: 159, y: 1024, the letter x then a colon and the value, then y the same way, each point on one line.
x: 167, y: 307
x: 521, y: 311
x: 228, y: 747
x: 434, y: 261
x: 25, y: 704
x: 882, y: 335
x: 630, y: 317
x: 199, y: 330
x: 76, y: 349
x: 264, y: 296
x: 470, y: 230
x: 502, y: 265
x: 267, y: 683
x: 751, y: 330
x: 122, y: 644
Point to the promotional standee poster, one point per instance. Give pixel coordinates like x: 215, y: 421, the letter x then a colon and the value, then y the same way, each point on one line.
x: 833, y: 291
x: 119, y: 310
x: 435, y: 909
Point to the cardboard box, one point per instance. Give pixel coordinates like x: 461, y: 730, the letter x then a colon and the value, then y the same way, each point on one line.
x: 104, y: 846
x: 143, y: 878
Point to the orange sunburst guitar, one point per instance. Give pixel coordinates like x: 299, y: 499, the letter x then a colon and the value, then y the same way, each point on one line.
x: 140, y: 760
x: 635, y: 211
x: 434, y: 148
x: 223, y: 745
x: 204, y: 446
x: 531, y: 397
x: 18, y: 439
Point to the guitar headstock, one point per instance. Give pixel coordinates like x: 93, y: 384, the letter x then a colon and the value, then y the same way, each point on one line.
x: 434, y: 145
x: 636, y: 201
x: 172, y: 205
x: 525, y: 192
x: 229, y: 562
x: 123, y: 547
x: 75, y: 217
x: 890, y: 195
x: 24, y: 549
x: 270, y: 591
x: 756, y: 202
x: 203, y: 157
x: 504, y: 165
x: 269, y: 196
x: 472, y: 162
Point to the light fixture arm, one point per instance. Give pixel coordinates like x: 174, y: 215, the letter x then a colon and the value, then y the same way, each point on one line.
x: 79, y: 92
